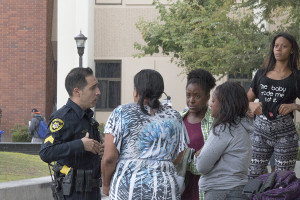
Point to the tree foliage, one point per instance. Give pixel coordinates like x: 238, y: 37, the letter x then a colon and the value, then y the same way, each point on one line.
x: 216, y: 35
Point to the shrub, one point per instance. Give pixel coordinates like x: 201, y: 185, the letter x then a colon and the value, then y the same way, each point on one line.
x: 20, y: 133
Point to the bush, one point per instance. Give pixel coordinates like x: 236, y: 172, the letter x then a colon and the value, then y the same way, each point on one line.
x: 20, y: 133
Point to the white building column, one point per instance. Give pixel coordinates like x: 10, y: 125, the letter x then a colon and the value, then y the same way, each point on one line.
x: 73, y: 16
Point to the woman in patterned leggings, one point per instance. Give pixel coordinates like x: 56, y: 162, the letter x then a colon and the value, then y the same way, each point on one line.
x: 276, y: 86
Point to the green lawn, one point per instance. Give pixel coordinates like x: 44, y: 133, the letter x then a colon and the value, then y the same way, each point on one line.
x: 19, y: 166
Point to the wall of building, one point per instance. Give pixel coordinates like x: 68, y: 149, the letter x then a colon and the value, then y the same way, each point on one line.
x: 115, y: 34
x: 173, y: 80
x: 111, y: 31
x: 24, y: 28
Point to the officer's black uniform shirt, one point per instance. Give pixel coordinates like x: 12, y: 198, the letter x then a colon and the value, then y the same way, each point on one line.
x: 63, y: 140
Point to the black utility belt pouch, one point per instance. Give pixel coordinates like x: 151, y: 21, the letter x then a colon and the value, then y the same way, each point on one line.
x: 79, y: 186
x: 252, y: 186
x: 68, y: 183
x: 85, y: 181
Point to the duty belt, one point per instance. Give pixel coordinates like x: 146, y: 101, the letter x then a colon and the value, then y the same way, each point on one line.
x: 83, y: 180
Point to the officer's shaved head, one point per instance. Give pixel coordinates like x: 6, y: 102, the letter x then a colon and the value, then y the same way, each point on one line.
x: 76, y: 79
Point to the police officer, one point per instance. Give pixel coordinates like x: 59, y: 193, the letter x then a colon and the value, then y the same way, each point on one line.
x: 73, y: 140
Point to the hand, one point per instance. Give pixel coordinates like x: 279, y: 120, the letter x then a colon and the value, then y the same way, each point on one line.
x: 198, y: 152
x: 285, y: 109
x: 105, y: 190
x: 92, y: 145
x: 254, y: 109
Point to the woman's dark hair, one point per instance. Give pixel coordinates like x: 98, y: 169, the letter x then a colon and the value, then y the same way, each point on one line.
x: 202, y: 78
x: 76, y: 79
x: 294, y: 57
x: 233, y: 104
x: 149, y: 84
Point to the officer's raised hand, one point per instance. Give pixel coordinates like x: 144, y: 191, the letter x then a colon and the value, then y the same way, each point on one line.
x: 92, y: 145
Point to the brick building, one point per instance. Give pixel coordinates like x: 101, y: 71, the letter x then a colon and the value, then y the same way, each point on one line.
x: 27, y: 61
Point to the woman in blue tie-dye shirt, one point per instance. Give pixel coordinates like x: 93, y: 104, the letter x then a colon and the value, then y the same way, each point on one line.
x: 142, y: 140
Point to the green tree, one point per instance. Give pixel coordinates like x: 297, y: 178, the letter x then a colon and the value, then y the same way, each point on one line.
x: 216, y: 35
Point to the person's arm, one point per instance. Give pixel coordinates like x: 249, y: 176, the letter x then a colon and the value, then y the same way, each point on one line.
x: 251, y: 96
x: 184, y: 140
x: 211, y: 152
x: 108, y: 163
x: 33, y: 125
x: 285, y: 109
x: 176, y: 161
x: 254, y: 108
x: 57, y: 144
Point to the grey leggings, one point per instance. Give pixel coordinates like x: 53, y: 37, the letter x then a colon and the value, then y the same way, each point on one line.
x: 278, y: 136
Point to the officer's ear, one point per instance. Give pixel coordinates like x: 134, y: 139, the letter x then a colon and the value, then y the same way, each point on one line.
x: 76, y: 92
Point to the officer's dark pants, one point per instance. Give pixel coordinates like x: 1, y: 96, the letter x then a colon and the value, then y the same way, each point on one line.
x: 94, y: 195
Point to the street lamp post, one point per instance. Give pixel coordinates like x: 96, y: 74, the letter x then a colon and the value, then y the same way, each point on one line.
x: 80, y: 41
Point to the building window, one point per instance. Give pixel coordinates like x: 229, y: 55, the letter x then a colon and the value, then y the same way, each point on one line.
x: 108, y: 74
x: 243, y: 79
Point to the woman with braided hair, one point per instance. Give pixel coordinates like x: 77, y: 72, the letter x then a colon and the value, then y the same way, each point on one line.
x: 142, y: 139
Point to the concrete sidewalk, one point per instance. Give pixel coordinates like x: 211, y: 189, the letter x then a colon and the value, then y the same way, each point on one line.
x: 29, y: 189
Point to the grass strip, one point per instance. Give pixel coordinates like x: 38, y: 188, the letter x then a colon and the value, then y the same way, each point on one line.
x: 19, y: 166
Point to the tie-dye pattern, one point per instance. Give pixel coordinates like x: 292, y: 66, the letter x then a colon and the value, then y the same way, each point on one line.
x: 147, y: 146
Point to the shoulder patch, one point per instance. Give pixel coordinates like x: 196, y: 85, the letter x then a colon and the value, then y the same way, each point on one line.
x: 56, y: 125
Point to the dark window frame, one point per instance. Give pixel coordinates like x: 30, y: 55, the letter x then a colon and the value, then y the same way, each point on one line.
x: 242, y: 79
x: 109, y: 80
